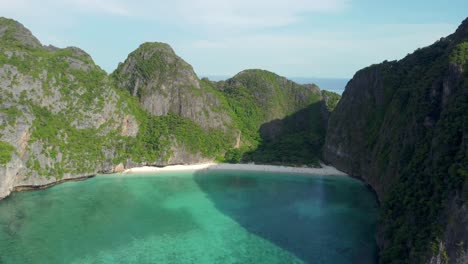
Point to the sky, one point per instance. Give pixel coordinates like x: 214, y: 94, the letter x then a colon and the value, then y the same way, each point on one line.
x: 294, y: 38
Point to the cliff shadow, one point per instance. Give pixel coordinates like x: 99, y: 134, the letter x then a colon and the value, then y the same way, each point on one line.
x: 290, y: 214
x: 294, y: 140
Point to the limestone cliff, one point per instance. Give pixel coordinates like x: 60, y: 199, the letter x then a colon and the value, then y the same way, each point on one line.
x: 402, y: 127
x: 59, y: 116
x: 164, y: 83
x: 62, y: 117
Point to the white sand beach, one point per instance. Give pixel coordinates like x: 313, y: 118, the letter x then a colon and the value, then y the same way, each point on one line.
x: 324, y: 170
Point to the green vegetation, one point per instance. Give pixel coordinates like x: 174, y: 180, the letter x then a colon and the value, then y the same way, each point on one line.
x: 157, y: 134
x: 275, y: 95
x: 233, y: 156
x: 82, y: 149
x: 50, y: 68
x: 410, y: 212
x: 331, y: 99
x: 295, y: 140
x: 247, y: 114
x: 5, y: 152
x: 255, y: 97
x: 12, y: 113
x: 460, y: 54
x: 152, y: 60
x: 83, y: 89
x: 14, y: 35
x: 417, y: 133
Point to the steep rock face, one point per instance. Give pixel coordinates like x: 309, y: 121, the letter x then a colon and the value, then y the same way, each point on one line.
x: 59, y: 116
x: 165, y: 83
x: 402, y: 127
x: 348, y: 134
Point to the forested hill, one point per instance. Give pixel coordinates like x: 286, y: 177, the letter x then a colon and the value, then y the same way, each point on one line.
x: 402, y: 126
x: 62, y: 117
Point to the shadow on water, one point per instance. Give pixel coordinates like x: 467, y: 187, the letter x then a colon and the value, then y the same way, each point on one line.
x: 318, y: 219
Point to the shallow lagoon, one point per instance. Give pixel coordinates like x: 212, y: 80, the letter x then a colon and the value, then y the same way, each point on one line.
x: 192, y: 217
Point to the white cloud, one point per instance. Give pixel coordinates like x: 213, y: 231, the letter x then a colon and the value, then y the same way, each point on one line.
x: 112, y: 7
x: 205, y: 14
x: 328, y: 54
x: 8, y: 4
x: 247, y: 13
x: 50, y: 9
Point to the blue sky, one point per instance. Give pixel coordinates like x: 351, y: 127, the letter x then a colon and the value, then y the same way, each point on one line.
x: 294, y: 38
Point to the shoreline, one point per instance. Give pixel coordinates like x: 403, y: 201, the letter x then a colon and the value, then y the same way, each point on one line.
x: 26, y: 188
x: 22, y: 188
x: 324, y: 170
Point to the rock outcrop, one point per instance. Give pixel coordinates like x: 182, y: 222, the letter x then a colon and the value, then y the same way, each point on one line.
x: 58, y: 112
x: 164, y: 83
x: 401, y: 126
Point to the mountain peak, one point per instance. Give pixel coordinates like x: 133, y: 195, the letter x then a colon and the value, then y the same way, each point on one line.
x: 256, y: 72
x: 151, y: 60
x: 462, y: 31
x: 156, y: 46
x: 14, y: 33
x: 79, y: 53
x: 464, y: 24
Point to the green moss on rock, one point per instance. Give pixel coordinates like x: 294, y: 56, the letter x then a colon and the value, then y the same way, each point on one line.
x: 6, y: 151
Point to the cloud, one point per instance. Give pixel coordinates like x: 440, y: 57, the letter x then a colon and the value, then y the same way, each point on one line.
x: 327, y: 54
x: 111, y: 7
x: 45, y: 8
x: 204, y: 14
x: 248, y: 13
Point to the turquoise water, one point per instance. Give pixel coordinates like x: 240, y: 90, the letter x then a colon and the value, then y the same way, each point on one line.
x: 186, y: 217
